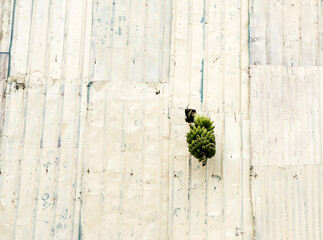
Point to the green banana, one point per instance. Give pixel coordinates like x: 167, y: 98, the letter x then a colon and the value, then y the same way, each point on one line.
x: 201, y: 139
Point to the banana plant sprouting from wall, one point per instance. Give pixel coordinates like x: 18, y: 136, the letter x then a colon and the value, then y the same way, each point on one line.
x: 200, y: 138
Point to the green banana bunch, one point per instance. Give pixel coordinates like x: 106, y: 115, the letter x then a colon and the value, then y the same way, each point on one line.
x: 201, y: 139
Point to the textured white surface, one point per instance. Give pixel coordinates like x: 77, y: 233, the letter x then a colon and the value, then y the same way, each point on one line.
x: 287, y: 170
x: 286, y: 118
x: 84, y: 152
x: 286, y: 32
x: 6, y: 7
x: 3, y: 83
x: 93, y: 142
x: 94, y: 135
x: 286, y: 101
x: 76, y: 143
x: 210, y: 73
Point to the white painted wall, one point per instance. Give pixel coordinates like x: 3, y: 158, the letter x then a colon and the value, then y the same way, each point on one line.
x: 286, y: 118
x: 287, y: 151
x: 93, y: 140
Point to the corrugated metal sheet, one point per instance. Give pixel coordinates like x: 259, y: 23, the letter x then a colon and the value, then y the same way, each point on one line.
x: 287, y: 169
x: 84, y: 152
x: 210, y: 73
x: 286, y: 121
x: 93, y: 141
x: 286, y: 32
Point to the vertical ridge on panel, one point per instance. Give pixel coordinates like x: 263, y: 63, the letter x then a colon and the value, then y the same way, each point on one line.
x: 48, y: 159
x: 258, y: 32
x: 38, y: 40
x: 320, y: 32
x: 246, y: 228
x: 28, y: 157
x: 136, y: 60
x: 21, y: 37
x: 291, y: 227
x: 71, y: 71
x: 302, y: 220
x: 232, y: 52
x: 166, y: 16
x: 57, y: 227
x: 269, y: 203
x: 153, y: 40
x: 198, y: 74
x: 313, y: 75
x: 282, y: 205
x: 92, y: 193
x: 179, y: 95
x: 119, y: 47
x: 86, y: 42
x: 6, y: 17
x: 115, y: 163
x: 152, y: 161
x: 232, y: 121
x: 101, y: 39
x: 291, y: 26
x: 56, y: 59
x: 67, y: 140
x: 320, y: 165
x: 214, y: 107
x: 10, y: 163
x: 310, y: 185
x: 275, y: 32
x: 125, y: 145
x: 309, y: 38
x: 73, y: 50
x: 164, y: 181
x: 296, y: 219
x: 278, y: 196
x: 231, y: 175
x: 119, y: 73
x: 320, y: 173
x: 81, y: 89
x: 197, y: 63
x: 77, y: 231
x: 133, y: 169
x: 38, y: 72
x: 244, y: 59
x: 4, y: 64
